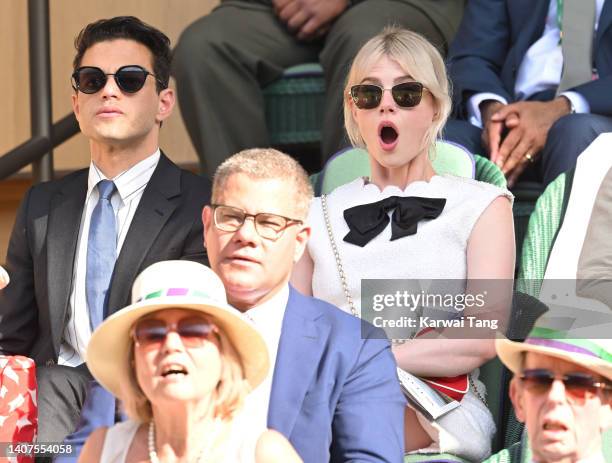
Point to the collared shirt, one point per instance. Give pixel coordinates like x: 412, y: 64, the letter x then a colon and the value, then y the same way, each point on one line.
x: 540, y: 69
x: 268, y: 319
x: 130, y: 185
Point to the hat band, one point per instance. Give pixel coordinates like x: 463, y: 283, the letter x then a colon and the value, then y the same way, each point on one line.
x: 173, y: 292
x: 546, y: 337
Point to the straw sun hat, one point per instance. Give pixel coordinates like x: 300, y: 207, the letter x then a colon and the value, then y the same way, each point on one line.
x: 594, y: 354
x: 173, y: 284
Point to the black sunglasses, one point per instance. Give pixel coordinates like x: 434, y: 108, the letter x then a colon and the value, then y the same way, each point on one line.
x: 130, y: 79
x: 577, y: 385
x: 369, y: 96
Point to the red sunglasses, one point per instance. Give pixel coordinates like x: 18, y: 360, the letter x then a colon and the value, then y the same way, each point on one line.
x: 578, y: 386
x: 193, y: 330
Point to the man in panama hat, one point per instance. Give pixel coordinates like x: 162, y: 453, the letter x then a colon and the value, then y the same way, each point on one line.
x: 562, y: 391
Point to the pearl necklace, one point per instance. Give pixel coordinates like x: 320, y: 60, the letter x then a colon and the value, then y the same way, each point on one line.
x: 205, y: 448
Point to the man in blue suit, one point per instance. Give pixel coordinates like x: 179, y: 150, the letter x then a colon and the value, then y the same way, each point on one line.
x: 334, y: 392
x: 506, y: 65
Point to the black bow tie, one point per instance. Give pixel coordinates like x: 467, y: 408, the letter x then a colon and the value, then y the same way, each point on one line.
x: 368, y: 220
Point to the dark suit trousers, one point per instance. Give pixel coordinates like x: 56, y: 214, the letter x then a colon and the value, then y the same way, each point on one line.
x: 61, y: 393
x: 223, y: 60
x: 567, y: 138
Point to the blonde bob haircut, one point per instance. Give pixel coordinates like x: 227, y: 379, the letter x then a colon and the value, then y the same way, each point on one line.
x: 419, y: 59
x: 229, y: 394
x: 267, y: 164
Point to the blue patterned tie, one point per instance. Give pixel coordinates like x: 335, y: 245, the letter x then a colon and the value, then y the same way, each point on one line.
x: 101, y: 253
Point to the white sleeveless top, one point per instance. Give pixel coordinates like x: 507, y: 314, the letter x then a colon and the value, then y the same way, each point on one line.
x: 436, y: 251
x: 240, y: 443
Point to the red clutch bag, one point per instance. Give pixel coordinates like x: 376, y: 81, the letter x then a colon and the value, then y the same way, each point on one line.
x: 455, y: 387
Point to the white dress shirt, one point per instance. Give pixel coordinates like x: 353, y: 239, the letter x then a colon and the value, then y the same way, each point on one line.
x: 268, y: 319
x: 130, y: 185
x: 540, y: 69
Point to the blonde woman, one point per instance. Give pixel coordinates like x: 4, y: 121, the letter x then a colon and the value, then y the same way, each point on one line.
x: 182, y: 361
x: 397, y: 101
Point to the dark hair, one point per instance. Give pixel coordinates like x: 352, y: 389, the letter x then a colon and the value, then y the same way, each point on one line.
x: 131, y: 28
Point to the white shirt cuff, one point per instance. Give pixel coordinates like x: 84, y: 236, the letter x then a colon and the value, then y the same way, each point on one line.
x: 581, y: 105
x: 473, y: 106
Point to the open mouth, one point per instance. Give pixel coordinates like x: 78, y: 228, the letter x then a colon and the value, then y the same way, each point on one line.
x: 173, y: 370
x: 388, y: 134
x: 554, y: 426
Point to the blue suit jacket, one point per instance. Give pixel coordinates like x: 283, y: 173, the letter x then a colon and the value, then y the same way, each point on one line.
x: 495, y: 35
x: 335, y: 393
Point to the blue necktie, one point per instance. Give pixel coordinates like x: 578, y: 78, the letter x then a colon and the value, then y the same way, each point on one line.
x: 101, y: 253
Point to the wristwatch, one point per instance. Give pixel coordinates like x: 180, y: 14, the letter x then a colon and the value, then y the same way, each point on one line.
x: 572, y: 108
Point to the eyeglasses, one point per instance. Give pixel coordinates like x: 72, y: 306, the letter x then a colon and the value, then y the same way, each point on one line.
x: 130, y: 79
x: 193, y: 330
x: 577, y: 385
x: 269, y: 226
x: 369, y: 96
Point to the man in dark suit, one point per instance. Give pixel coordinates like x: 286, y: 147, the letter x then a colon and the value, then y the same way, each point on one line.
x: 222, y: 61
x: 334, y: 392
x: 79, y: 242
x: 506, y: 64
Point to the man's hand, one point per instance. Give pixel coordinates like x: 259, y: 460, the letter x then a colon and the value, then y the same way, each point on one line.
x: 528, y: 123
x: 309, y: 19
x: 491, y: 131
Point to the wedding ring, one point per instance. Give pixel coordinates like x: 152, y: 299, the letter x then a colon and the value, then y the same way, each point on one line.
x: 529, y: 157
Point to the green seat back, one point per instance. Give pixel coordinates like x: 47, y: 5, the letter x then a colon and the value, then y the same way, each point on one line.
x: 294, y: 105
x: 541, y: 231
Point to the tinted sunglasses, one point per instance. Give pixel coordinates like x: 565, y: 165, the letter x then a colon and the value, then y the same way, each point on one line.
x: 578, y: 386
x: 193, y: 330
x: 130, y: 79
x: 369, y: 96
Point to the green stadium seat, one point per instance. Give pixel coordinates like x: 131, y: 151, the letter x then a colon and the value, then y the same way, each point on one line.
x: 294, y: 105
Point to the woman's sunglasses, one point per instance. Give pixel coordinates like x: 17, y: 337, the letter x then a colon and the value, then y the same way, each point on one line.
x: 578, y: 386
x: 369, y: 96
x: 194, y: 331
x: 130, y: 79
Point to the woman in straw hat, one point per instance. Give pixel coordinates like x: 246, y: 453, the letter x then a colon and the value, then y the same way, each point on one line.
x: 181, y: 360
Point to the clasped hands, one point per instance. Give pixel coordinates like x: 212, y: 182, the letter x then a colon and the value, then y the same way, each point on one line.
x: 309, y: 19
x: 526, y: 123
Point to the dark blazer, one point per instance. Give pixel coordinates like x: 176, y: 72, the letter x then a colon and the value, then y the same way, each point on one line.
x: 495, y: 35
x: 42, y: 249
x: 335, y: 393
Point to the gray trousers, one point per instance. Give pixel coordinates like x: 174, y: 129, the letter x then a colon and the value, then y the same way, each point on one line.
x: 223, y: 60
x: 61, y: 393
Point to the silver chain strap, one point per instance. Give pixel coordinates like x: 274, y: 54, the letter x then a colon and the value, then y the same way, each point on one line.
x: 334, y: 246
x: 341, y: 273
